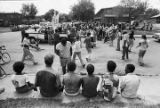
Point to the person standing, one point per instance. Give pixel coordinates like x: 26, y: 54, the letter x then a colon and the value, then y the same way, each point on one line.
x: 131, y: 40
x: 129, y: 83
x: 56, y: 40
x: 77, y: 50
x: 143, y: 44
x: 64, y: 51
x: 119, y: 37
x: 23, y: 33
x: 26, y: 51
x: 88, y: 45
x: 125, y: 45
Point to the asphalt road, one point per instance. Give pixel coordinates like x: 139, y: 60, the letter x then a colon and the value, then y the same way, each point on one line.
x: 101, y: 54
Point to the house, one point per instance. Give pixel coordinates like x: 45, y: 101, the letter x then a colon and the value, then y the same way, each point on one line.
x: 111, y: 15
x: 7, y: 19
x: 156, y: 18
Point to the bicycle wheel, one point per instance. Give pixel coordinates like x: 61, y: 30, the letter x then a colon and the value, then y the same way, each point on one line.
x: 1, y: 61
x: 2, y: 73
x: 6, y: 57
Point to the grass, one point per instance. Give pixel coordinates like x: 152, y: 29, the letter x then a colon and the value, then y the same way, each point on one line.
x: 4, y: 29
x: 51, y: 103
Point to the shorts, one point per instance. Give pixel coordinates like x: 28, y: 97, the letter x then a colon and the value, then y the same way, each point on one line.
x: 64, y: 61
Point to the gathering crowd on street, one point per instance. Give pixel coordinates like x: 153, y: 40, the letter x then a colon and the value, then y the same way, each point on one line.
x: 71, y: 83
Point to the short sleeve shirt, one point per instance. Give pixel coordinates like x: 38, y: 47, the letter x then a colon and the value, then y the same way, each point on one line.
x: 64, y: 50
x: 19, y: 80
x: 77, y: 46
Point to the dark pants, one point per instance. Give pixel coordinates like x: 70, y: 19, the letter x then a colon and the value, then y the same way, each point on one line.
x: 26, y: 88
x: 141, y: 55
x: 125, y: 53
x: 118, y: 44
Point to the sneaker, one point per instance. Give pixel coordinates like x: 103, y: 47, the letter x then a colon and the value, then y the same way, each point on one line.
x: 87, y: 59
x: 83, y: 65
x: 35, y: 63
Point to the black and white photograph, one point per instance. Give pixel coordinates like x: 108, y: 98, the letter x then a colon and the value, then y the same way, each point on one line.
x: 79, y: 53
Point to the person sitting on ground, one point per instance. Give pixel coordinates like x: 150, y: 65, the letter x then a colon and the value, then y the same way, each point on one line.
x: 129, y: 83
x: 20, y: 80
x: 108, y: 84
x: 47, y: 79
x: 89, y: 83
x: 71, y: 80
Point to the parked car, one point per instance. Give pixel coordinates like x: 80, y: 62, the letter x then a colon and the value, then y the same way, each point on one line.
x: 156, y: 36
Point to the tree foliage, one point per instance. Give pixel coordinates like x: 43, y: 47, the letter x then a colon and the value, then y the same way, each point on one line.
x: 64, y: 18
x: 151, y: 12
x: 29, y: 10
x: 48, y: 15
x: 83, y: 11
x: 134, y: 8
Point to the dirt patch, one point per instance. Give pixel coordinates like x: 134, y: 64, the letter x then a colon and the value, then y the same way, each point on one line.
x: 51, y: 103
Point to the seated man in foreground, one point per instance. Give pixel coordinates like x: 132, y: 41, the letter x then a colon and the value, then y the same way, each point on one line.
x: 47, y: 79
x: 89, y: 83
x: 129, y: 83
x: 71, y: 80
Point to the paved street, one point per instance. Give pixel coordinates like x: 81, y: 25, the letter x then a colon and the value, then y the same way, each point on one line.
x: 101, y: 54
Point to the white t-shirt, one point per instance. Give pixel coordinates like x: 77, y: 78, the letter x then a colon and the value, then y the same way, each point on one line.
x: 64, y: 50
x: 77, y: 46
x: 129, y: 85
x: 144, y: 44
x: 125, y: 38
x: 19, y: 80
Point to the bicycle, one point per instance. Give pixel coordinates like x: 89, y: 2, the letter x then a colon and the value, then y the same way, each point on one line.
x: 2, y: 73
x: 4, y: 55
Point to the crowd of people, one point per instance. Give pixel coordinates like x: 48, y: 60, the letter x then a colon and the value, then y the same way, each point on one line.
x: 51, y: 83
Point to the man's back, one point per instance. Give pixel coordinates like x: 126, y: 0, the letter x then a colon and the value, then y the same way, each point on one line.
x: 71, y: 82
x: 47, y: 83
x: 89, y: 86
x: 129, y: 85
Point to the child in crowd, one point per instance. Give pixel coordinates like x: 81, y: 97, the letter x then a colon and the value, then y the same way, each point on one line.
x: 87, y: 41
x: 143, y: 44
x: 77, y: 50
x: 125, y: 45
x: 129, y: 83
x: 89, y: 83
x: 71, y: 81
x: 26, y: 50
x: 20, y: 80
x: 108, y: 84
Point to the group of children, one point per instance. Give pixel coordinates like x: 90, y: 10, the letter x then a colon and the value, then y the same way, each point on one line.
x: 89, y: 85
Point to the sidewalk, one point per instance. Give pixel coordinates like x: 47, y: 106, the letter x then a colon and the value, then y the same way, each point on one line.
x: 149, y: 91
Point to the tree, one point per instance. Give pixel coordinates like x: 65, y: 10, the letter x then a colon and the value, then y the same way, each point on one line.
x: 48, y: 15
x: 151, y: 12
x: 29, y: 10
x: 83, y: 11
x: 64, y: 18
x: 134, y: 8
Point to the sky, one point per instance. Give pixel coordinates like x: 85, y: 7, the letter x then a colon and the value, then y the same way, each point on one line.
x: 63, y: 6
